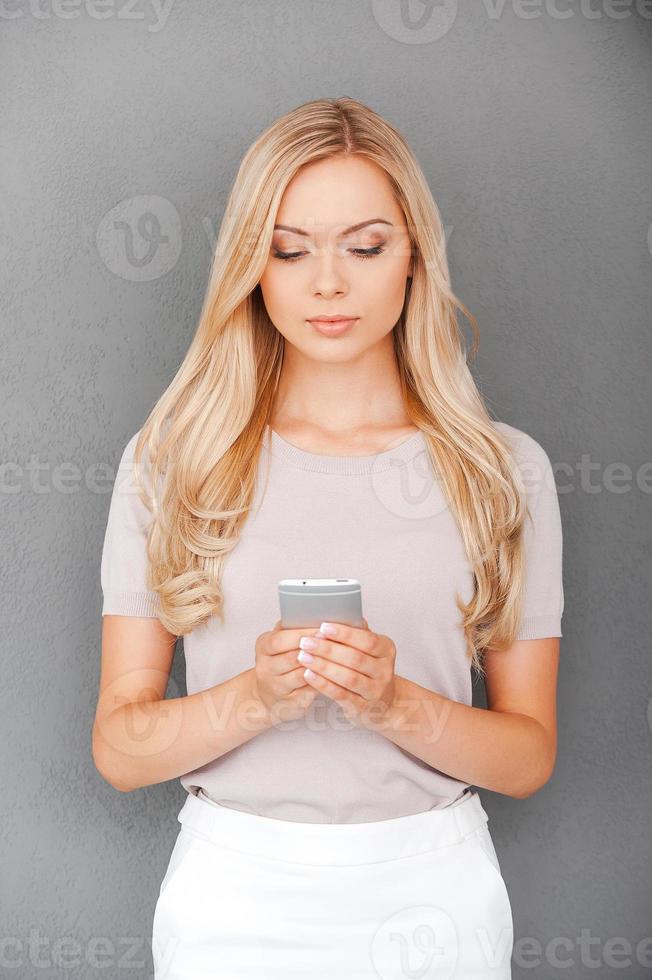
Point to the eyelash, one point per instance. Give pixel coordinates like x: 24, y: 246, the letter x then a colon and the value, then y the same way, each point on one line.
x: 360, y: 253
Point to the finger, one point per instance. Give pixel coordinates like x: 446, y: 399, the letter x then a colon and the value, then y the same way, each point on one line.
x: 351, y: 680
x: 291, y: 681
x: 285, y: 663
x: 346, y: 656
x: 353, y: 636
x: 281, y: 640
x: 335, y: 691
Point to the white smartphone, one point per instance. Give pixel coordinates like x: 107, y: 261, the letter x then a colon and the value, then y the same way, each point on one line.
x: 308, y: 602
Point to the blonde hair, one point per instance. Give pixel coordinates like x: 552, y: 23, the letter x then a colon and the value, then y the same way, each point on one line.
x: 205, y: 432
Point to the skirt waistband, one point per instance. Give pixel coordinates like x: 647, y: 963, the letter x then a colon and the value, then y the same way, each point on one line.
x: 333, y: 843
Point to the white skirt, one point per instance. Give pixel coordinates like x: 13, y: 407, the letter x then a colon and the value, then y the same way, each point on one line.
x: 247, y: 897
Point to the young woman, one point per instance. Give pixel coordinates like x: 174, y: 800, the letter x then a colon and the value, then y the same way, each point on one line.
x: 330, y: 827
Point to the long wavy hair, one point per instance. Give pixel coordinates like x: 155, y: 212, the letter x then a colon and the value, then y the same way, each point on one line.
x: 204, y: 434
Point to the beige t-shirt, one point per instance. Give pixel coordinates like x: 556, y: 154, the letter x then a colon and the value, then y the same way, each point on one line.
x: 383, y: 520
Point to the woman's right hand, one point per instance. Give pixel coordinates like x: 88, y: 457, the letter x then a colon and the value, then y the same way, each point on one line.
x: 278, y: 680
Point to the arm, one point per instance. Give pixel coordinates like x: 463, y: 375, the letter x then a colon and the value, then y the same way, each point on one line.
x: 508, y: 748
x: 141, y: 738
x: 511, y: 747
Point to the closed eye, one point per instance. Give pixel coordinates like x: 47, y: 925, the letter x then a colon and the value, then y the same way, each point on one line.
x: 367, y: 253
x: 360, y: 253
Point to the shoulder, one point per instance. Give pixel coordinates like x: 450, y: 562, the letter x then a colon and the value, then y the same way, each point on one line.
x: 531, y: 458
x: 128, y: 457
x: 128, y: 451
x: 127, y: 477
x: 524, y: 445
x: 132, y: 477
x: 130, y: 448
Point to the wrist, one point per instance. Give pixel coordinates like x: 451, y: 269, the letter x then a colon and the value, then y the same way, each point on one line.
x: 262, y: 712
x: 393, y: 717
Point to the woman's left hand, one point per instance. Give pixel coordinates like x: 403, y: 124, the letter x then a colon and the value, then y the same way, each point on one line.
x: 354, y: 667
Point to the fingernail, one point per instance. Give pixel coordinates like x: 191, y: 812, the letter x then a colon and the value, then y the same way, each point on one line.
x: 304, y: 657
x: 328, y: 629
x: 307, y: 643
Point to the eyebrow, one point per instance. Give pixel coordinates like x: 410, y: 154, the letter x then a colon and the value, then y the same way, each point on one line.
x: 347, y: 231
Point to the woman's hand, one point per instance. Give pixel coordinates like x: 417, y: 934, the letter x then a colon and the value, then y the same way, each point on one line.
x: 278, y: 681
x: 354, y: 667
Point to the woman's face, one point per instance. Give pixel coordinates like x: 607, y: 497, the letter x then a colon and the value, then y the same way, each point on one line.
x: 319, y: 267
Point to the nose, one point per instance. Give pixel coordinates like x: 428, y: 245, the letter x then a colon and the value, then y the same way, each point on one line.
x: 329, y: 278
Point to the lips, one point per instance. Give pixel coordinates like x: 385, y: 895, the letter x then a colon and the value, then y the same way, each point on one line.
x: 331, y: 319
x: 332, y: 326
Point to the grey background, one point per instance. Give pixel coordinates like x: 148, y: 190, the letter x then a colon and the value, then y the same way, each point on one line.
x: 534, y: 132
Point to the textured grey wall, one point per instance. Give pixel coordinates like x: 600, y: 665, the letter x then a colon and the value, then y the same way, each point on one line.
x: 531, y: 121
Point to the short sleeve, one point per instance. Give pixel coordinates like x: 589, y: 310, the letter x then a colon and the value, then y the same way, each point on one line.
x: 543, y: 599
x: 124, y: 554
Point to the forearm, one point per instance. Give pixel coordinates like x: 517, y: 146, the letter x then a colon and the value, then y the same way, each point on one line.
x: 504, y: 752
x: 146, y: 742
